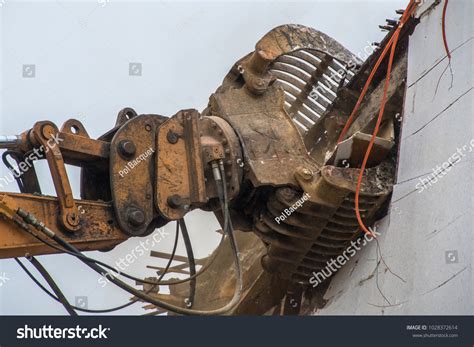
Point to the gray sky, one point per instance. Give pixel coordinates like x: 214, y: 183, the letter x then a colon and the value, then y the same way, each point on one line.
x: 81, y: 51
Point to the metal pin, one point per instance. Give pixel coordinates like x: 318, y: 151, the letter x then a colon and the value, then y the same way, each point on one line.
x: 10, y: 141
x: 215, y: 171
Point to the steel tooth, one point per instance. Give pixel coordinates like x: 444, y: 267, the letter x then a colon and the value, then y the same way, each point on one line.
x: 324, y: 250
x: 341, y: 228
x: 297, y: 219
x: 329, y: 243
x: 363, y: 198
x: 286, y: 198
x: 285, y: 259
x: 337, y: 236
x: 348, y: 213
x: 291, y: 69
x: 289, y: 79
x: 308, y: 272
x: 310, y: 263
x: 317, y: 257
x: 300, y: 233
x: 362, y: 205
x: 283, y: 241
x: 262, y: 227
x: 282, y: 245
x: 349, y: 222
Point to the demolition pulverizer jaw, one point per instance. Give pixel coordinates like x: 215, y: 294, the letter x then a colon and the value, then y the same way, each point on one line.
x: 241, y: 155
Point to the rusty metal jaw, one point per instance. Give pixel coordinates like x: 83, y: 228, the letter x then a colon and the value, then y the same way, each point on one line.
x: 271, y: 119
x: 306, y: 228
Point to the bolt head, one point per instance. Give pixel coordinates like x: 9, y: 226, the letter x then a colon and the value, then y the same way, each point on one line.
x: 136, y: 217
x: 305, y: 173
x: 175, y: 201
x: 172, y: 137
x: 127, y: 148
x: 72, y: 219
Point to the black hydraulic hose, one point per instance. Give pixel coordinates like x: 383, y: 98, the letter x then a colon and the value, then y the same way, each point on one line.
x: 144, y: 296
x: 109, y: 310
x: 81, y: 256
x: 191, y: 261
x: 47, y: 277
x: 10, y: 167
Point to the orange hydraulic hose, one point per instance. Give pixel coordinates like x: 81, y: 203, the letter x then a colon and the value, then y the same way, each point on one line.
x: 445, y: 41
x: 403, y: 19
x: 374, y: 135
x: 392, y: 44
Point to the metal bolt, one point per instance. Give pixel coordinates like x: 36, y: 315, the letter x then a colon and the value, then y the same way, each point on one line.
x: 127, y: 148
x: 188, y: 303
x: 175, y: 201
x: 305, y: 173
x: 147, y: 127
x: 287, y: 194
x: 136, y: 217
x: 172, y: 137
x: 72, y: 219
x: 48, y: 132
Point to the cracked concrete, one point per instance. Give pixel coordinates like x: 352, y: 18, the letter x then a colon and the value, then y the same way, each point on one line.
x: 421, y: 227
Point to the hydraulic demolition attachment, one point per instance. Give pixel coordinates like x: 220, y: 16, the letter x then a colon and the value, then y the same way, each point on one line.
x: 263, y: 156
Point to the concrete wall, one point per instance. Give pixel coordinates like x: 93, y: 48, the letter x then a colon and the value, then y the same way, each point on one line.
x: 428, y: 236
